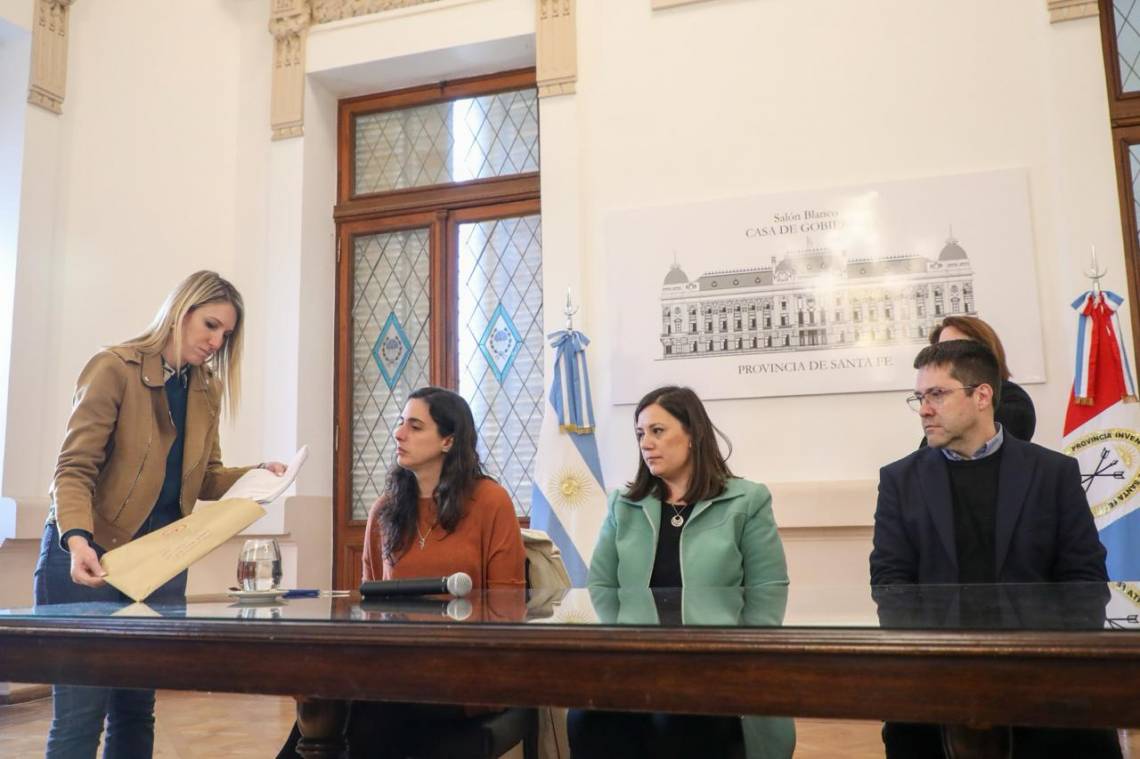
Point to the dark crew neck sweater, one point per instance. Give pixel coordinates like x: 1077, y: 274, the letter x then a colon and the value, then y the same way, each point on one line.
x: 973, y: 490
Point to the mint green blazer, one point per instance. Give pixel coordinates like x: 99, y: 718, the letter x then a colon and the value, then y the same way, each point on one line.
x: 729, y: 541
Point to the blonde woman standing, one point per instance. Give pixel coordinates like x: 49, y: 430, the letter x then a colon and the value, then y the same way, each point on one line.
x: 141, y: 448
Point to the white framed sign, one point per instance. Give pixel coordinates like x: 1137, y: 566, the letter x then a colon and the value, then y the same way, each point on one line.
x: 827, y: 291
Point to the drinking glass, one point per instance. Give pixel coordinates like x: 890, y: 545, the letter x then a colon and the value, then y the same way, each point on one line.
x: 259, y: 564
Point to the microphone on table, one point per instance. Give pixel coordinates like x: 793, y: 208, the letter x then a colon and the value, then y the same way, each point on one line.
x: 458, y: 609
x: 458, y: 584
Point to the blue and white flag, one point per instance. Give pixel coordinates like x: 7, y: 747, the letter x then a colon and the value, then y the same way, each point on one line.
x: 569, y: 499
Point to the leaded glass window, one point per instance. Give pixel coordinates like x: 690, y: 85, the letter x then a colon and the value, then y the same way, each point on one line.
x: 1126, y: 14
x: 501, y: 344
x: 440, y: 287
x: 455, y: 141
x: 390, y: 311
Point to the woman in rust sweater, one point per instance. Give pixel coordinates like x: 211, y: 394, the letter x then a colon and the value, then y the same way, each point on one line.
x: 439, y: 514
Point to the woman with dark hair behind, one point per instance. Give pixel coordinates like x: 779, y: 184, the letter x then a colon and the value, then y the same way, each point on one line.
x: 1015, y: 412
x: 439, y: 510
x: 683, y: 487
x: 439, y: 514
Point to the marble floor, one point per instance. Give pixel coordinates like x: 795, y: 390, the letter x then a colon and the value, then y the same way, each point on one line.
x: 210, y: 725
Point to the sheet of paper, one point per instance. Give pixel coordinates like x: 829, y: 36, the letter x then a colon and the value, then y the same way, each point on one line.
x: 137, y: 609
x: 141, y: 566
x: 264, y: 486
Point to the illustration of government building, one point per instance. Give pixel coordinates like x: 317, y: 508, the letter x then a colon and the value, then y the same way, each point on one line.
x: 814, y: 299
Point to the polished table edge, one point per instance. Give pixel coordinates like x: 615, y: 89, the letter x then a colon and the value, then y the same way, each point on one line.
x: 1062, y: 678
x: 599, y: 637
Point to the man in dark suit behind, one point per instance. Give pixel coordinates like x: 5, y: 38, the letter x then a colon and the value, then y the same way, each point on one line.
x: 977, y: 506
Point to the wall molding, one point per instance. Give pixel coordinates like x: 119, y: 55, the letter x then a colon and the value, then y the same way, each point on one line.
x: 48, y: 80
x: 658, y: 4
x: 289, y: 24
x: 325, y: 11
x: 556, y: 44
x: 556, y: 41
x: 1069, y: 10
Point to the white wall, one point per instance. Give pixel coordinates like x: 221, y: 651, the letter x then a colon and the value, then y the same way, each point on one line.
x: 728, y: 99
x: 160, y: 170
x: 15, y: 54
x: 17, y: 12
x: 162, y: 164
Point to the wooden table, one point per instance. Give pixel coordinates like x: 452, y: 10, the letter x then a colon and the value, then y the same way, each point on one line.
x: 331, y: 651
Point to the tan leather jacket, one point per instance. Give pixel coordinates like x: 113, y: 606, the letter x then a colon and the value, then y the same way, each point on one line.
x: 113, y: 460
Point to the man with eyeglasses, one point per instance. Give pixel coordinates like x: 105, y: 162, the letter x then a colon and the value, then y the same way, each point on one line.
x: 980, y: 506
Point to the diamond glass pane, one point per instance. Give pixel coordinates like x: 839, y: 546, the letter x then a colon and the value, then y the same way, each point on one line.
x: 501, y: 343
x: 390, y: 339
x: 1126, y: 13
x: 471, y: 138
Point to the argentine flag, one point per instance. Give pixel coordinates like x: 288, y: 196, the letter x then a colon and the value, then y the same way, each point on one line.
x: 569, y: 499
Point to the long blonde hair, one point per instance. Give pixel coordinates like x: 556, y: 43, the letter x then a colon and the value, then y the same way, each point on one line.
x: 198, y: 289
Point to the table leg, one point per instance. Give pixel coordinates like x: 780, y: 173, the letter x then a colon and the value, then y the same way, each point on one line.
x: 322, y: 724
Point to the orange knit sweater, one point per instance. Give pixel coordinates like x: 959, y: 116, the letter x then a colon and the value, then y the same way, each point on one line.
x: 486, y: 544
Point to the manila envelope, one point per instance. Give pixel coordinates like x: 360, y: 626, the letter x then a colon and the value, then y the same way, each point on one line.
x: 141, y: 566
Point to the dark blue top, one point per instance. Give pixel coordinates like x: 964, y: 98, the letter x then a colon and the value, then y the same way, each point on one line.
x: 167, y: 508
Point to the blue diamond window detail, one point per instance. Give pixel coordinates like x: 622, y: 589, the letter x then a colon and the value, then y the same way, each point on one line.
x: 500, y: 342
x: 392, y: 351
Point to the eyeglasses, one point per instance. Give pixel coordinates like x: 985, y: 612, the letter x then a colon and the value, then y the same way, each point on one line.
x: 934, y: 396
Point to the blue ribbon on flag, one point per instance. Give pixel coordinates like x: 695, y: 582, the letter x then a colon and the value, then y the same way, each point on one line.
x: 570, y: 390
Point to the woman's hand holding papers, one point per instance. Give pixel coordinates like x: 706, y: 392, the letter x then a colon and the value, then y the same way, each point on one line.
x: 85, y: 566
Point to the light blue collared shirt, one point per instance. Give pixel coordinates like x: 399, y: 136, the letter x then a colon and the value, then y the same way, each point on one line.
x: 989, y: 448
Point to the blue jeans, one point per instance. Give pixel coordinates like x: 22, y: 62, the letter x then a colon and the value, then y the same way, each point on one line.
x: 79, y: 711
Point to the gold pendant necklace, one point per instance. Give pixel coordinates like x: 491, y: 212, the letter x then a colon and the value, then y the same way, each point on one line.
x: 423, y: 536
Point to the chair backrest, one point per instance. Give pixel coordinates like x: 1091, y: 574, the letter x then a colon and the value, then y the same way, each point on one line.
x: 544, y: 567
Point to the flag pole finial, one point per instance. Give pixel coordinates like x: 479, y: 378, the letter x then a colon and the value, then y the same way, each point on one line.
x: 569, y: 310
x: 1095, y: 273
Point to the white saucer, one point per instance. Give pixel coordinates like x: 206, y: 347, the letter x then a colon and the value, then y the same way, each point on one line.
x: 255, y: 596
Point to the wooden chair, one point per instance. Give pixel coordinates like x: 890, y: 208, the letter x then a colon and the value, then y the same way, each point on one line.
x: 492, y: 735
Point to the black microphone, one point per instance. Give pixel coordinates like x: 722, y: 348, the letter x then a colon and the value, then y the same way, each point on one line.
x: 458, y: 584
x: 458, y: 609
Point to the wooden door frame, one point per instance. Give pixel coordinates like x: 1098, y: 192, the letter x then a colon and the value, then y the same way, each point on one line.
x: 441, y: 208
x: 348, y: 535
x: 1124, y: 121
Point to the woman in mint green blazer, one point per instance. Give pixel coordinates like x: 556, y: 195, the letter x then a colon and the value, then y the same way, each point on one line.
x: 685, y: 522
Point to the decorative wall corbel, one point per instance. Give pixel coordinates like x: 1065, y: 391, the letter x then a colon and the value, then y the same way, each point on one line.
x: 325, y: 11
x: 289, y: 25
x: 48, y: 80
x: 1067, y: 10
x: 556, y: 40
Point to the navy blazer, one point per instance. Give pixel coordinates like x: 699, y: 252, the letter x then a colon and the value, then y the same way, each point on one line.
x: 1045, y: 531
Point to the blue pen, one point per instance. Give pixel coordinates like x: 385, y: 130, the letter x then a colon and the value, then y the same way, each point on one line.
x: 302, y: 593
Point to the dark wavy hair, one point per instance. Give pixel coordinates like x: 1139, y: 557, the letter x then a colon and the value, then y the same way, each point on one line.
x: 461, y: 469
x: 710, y: 468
